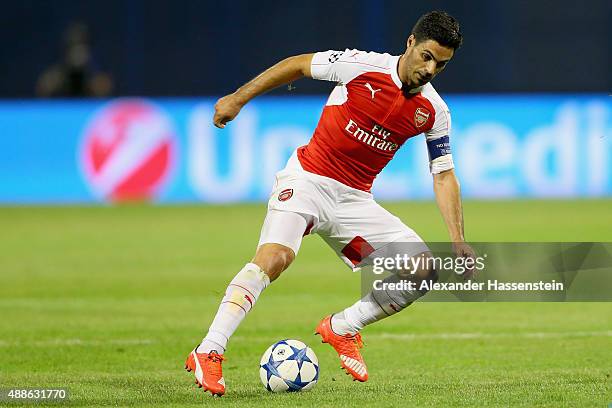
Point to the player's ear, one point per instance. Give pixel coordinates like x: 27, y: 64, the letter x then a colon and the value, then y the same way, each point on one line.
x: 411, y: 41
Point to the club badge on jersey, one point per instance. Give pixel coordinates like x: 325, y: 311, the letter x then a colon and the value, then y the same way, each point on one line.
x: 285, y: 195
x: 420, y: 116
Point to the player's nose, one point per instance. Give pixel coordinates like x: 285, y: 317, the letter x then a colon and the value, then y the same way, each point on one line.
x: 431, y: 67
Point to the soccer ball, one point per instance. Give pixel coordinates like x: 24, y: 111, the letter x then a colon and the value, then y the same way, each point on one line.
x: 289, y: 365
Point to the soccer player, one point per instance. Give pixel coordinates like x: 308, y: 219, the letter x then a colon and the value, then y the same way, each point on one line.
x: 379, y: 102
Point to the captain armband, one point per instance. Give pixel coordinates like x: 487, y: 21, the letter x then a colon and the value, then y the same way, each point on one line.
x: 440, y: 157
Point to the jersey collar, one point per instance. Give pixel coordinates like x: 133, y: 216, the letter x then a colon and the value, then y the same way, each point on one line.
x: 393, y: 65
x: 393, y: 68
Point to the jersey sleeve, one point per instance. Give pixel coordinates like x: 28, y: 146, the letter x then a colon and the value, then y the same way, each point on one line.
x: 438, y: 142
x: 337, y: 66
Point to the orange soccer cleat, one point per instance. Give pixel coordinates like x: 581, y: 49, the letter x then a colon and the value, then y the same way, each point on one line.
x: 207, y: 370
x: 347, y: 346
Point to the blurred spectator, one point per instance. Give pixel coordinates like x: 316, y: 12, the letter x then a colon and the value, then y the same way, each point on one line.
x: 76, y: 74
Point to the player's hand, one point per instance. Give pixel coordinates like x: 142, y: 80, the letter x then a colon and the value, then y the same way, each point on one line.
x: 226, y: 109
x: 464, y: 250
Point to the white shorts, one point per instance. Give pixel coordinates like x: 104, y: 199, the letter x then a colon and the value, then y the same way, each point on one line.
x: 349, y: 220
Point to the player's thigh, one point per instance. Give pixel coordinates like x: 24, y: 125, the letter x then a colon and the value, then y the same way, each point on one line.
x: 295, y: 207
x: 280, y: 240
x: 363, y: 228
x: 285, y: 228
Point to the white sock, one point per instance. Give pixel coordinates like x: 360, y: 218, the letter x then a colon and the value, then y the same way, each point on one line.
x: 354, y: 318
x: 240, y: 297
x: 373, y: 307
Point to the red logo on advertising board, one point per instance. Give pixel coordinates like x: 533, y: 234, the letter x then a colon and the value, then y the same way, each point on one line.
x: 285, y: 194
x: 128, y: 150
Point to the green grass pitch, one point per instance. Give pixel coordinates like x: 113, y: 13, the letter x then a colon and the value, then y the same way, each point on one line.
x: 108, y: 301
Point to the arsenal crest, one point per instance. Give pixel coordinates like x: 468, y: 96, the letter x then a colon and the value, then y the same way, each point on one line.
x: 420, y: 116
x: 285, y: 194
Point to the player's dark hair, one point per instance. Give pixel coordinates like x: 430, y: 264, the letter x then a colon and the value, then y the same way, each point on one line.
x: 440, y: 27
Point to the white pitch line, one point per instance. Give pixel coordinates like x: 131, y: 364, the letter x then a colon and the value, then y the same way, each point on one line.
x: 390, y: 336
x: 472, y: 336
x: 465, y: 336
x: 76, y: 342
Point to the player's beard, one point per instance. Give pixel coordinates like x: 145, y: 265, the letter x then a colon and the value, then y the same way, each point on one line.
x: 422, y: 79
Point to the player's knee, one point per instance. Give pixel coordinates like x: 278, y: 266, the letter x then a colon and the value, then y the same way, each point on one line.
x: 273, y: 259
x: 284, y: 257
x: 426, y: 272
x: 431, y: 276
x: 426, y: 269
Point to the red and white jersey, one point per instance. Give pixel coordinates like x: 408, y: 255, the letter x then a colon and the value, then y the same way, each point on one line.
x: 368, y: 117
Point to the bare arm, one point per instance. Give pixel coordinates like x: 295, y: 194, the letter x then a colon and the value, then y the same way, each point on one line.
x: 284, y: 72
x: 448, y: 197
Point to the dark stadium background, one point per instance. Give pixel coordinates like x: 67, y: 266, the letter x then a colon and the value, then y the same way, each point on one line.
x: 191, y: 47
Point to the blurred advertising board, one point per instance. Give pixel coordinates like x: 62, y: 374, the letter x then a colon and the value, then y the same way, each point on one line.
x: 167, y: 150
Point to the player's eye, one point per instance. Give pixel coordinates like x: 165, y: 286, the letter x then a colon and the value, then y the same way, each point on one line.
x: 426, y: 57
